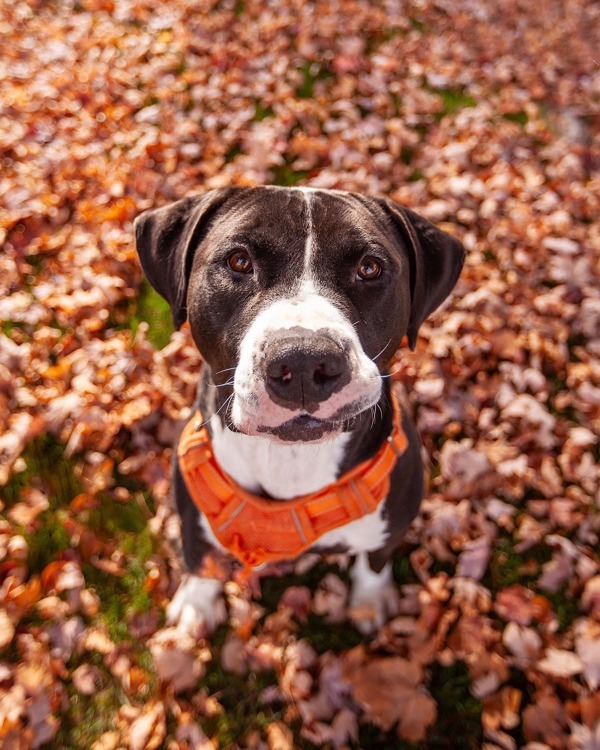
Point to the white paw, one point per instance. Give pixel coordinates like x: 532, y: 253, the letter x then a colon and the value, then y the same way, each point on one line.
x: 373, y: 598
x: 197, y: 607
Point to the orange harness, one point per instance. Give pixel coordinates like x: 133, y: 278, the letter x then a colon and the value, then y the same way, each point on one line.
x: 257, y: 530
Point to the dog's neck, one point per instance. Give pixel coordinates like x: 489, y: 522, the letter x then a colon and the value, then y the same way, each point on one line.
x: 283, y: 471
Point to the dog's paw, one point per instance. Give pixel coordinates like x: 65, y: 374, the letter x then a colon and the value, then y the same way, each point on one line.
x: 373, y: 597
x: 197, y: 607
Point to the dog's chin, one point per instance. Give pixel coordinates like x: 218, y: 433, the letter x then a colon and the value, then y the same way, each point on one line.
x: 302, y: 429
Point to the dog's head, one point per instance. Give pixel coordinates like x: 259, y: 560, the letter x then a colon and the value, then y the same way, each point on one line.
x: 296, y: 298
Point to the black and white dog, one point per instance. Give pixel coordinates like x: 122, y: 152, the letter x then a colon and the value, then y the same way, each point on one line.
x: 297, y: 299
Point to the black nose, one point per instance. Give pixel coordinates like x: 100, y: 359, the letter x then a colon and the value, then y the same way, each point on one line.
x: 304, y: 370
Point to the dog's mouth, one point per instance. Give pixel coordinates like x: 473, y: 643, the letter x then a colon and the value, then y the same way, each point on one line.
x: 304, y: 427
x: 307, y: 428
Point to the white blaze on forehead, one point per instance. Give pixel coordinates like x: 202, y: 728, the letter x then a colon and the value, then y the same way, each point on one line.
x: 309, y: 243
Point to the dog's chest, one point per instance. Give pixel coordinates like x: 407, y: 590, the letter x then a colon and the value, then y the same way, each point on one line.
x: 281, y: 471
x: 288, y: 471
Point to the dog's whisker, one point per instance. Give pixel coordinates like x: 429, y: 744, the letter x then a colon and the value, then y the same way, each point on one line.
x: 382, y: 351
x: 221, y: 385
x: 227, y: 369
x: 391, y: 374
x: 219, y: 410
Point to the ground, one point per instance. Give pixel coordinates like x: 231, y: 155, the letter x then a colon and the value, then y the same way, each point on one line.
x: 483, y: 117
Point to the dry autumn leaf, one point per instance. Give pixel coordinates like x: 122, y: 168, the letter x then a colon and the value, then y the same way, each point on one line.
x: 391, y: 693
x: 482, y: 117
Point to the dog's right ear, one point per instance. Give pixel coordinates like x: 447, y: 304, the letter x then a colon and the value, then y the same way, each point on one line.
x: 166, y: 239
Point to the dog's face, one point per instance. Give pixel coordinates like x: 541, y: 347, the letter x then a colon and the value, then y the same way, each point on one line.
x: 297, y: 299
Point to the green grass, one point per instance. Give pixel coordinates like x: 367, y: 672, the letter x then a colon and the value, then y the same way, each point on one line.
x: 453, y: 100
x: 311, y: 73
x: 401, y: 567
x: 458, y: 722
x: 154, y: 310
x: 262, y: 112
x: 121, y: 524
x: 520, y: 118
x: 508, y: 568
x: 325, y: 636
x: 286, y: 176
x: 321, y: 635
x: 240, y: 696
x: 47, y: 470
x: 89, y: 716
x: 122, y: 596
x: 565, y: 607
x: 272, y: 587
x: 505, y: 566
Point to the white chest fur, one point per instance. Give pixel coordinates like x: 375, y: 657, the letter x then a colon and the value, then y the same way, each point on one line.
x: 283, y: 471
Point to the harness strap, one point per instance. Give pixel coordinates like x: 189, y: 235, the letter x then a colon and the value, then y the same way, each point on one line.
x: 257, y: 530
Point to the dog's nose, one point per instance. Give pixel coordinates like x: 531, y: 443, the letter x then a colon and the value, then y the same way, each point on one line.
x: 305, y: 370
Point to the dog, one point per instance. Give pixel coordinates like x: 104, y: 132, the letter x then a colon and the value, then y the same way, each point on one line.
x: 297, y: 299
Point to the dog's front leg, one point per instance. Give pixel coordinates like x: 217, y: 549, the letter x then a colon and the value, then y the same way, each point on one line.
x: 198, y: 606
x: 373, y: 597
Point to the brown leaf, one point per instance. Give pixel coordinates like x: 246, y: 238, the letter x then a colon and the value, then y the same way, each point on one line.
x: 474, y: 557
x: 298, y: 599
x: 279, y: 736
x: 233, y: 655
x: 587, y: 645
x: 86, y: 679
x: 522, y: 605
x: 175, y: 658
x: 191, y: 737
x: 7, y: 629
x: 149, y: 730
x: 502, y: 709
x: 331, y: 599
x: 545, y: 720
x: 34, y: 502
x: 524, y: 643
x: 560, y: 663
x: 390, y: 693
x: 107, y: 741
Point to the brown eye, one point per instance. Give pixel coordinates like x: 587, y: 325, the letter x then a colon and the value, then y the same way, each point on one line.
x: 240, y: 262
x: 368, y: 269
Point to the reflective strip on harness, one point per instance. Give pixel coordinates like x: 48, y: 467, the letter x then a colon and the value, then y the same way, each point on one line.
x: 257, y: 530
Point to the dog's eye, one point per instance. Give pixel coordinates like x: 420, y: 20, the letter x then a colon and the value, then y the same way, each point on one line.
x: 240, y: 262
x: 369, y: 269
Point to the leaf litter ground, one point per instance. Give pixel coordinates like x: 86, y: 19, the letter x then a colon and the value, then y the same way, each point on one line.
x: 484, y: 118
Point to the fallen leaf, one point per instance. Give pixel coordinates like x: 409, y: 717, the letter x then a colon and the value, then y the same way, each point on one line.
x: 587, y: 646
x: 524, y: 643
x: 233, y: 655
x: 518, y: 604
x: 390, y: 692
x: 560, y: 663
x: 279, y: 736
x: 86, y: 679
x: 7, y: 629
x: 148, y: 731
x: 176, y: 658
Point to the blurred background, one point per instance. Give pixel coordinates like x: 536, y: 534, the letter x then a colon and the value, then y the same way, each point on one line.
x: 483, y: 117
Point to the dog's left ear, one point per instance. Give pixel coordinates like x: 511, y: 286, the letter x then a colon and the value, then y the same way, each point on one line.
x: 436, y: 260
x: 166, y: 239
